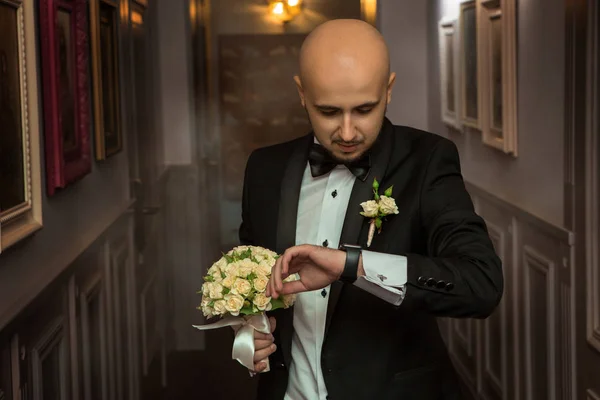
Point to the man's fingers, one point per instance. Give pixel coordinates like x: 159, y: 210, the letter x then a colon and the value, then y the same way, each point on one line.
x: 260, y: 366
x: 262, y: 344
x: 272, y: 323
x: 293, y: 287
x: 264, y: 353
x: 262, y: 336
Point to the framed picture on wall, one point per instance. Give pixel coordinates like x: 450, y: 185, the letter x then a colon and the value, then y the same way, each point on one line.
x: 65, y: 54
x: 469, y: 69
x: 20, y: 182
x: 449, y: 72
x: 497, y: 58
x: 104, y: 22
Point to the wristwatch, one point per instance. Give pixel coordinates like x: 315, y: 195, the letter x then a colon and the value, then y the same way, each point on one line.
x: 350, y: 273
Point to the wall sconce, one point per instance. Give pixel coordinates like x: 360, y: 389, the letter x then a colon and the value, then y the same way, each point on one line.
x: 285, y: 10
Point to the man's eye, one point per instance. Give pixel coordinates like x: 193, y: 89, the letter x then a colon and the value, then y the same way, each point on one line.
x: 364, y: 110
x: 329, y: 113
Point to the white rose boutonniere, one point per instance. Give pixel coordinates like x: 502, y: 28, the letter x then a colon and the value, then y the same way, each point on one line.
x: 381, y: 206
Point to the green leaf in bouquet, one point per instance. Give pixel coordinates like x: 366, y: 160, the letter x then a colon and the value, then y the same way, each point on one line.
x: 229, y: 258
x: 277, y: 303
x: 209, y: 278
x: 378, y: 223
x: 223, y: 275
x: 245, y: 254
x: 212, y: 303
x: 226, y: 290
x: 246, y: 311
x: 276, y: 256
x: 252, y: 276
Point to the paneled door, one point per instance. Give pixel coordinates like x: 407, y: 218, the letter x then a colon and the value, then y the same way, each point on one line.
x: 146, y: 174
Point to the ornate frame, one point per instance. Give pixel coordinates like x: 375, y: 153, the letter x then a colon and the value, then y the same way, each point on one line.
x: 65, y: 167
x: 464, y: 119
x: 503, y: 138
x: 449, y: 27
x: 104, y: 148
x: 26, y: 218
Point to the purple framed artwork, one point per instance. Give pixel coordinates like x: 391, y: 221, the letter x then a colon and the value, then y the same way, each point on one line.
x: 65, y: 54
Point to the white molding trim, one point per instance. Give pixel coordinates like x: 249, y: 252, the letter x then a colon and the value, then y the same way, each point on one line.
x: 52, y: 338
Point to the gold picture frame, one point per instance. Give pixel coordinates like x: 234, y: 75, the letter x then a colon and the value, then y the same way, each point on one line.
x: 19, y: 83
x: 104, y: 23
x: 498, y: 76
x: 470, y: 81
x: 449, y: 72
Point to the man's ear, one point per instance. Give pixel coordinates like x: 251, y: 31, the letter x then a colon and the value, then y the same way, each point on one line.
x: 300, y: 90
x: 390, y: 86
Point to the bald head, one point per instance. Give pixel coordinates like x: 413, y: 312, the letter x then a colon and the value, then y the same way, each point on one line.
x: 345, y: 85
x: 344, y: 46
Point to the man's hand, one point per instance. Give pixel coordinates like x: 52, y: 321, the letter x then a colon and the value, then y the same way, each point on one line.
x: 263, y: 346
x: 316, y: 266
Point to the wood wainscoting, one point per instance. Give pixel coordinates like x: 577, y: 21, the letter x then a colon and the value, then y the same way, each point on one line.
x: 526, y: 348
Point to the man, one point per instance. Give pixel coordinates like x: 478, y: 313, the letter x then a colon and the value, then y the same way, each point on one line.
x: 364, y: 322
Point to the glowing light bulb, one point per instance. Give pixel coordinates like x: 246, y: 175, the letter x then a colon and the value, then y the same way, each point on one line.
x: 293, y: 3
x: 278, y: 8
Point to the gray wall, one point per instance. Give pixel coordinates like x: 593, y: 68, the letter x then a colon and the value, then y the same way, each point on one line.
x: 72, y: 219
x: 404, y: 25
x: 533, y: 181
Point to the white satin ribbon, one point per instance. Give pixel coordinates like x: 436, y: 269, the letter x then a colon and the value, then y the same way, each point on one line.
x: 243, y: 344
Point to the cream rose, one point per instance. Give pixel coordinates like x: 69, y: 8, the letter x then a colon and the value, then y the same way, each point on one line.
x: 262, y: 302
x: 215, y: 290
x: 241, y: 286
x: 215, y: 273
x: 245, y: 268
x: 260, y: 283
x: 263, y: 268
x: 288, y: 300
x: 234, y: 303
x: 207, y: 311
x: 370, y: 208
x: 219, y: 307
x: 388, y: 205
x: 229, y: 281
x: 221, y: 264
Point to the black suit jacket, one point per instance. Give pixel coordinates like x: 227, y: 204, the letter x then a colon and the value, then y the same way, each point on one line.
x: 372, y: 349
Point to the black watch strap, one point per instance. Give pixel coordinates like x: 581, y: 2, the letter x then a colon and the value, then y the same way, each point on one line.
x: 350, y: 273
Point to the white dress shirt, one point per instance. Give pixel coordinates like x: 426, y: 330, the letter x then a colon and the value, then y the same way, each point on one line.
x: 321, y: 212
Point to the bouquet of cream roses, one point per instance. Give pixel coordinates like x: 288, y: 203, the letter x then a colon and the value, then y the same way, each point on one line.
x: 234, y: 290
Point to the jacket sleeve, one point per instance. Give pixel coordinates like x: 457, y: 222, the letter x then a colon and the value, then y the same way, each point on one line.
x: 461, y: 275
x: 245, y: 231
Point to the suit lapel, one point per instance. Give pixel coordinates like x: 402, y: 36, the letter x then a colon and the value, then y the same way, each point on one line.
x: 354, y: 223
x: 286, y: 227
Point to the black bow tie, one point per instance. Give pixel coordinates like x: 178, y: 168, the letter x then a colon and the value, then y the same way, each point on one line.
x: 321, y: 163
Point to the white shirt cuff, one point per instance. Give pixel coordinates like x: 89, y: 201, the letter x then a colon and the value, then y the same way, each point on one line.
x: 385, y: 276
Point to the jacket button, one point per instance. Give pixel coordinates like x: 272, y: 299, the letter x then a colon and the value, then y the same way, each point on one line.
x: 326, y: 243
x: 440, y: 285
x: 449, y: 286
x: 430, y: 282
x: 421, y: 280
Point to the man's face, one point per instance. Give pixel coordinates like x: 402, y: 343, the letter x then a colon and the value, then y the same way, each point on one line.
x: 346, y: 112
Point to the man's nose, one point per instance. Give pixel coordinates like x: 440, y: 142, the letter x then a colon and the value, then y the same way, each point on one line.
x: 347, y: 129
